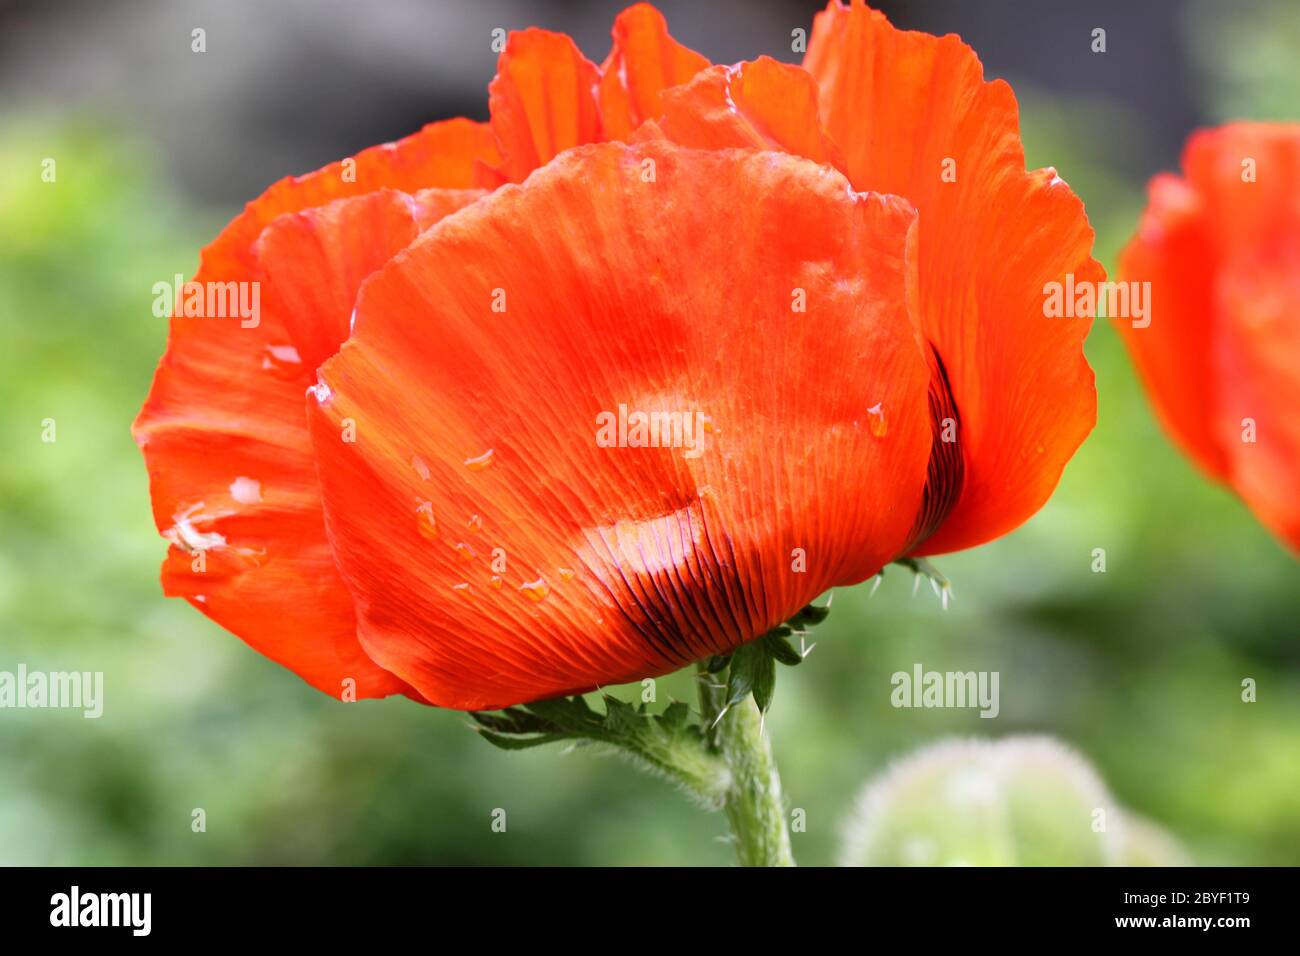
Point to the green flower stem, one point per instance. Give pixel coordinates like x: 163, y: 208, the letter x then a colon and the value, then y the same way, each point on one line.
x: 754, y: 807
x: 753, y: 804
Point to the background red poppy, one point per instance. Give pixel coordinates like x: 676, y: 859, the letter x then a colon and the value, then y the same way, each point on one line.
x: 1219, y: 247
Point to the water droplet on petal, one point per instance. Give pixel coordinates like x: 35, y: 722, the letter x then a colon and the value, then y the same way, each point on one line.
x: 283, y: 360
x: 246, y: 491
x: 465, y: 552
x: 496, y: 581
x: 475, y: 523
x: 426, y: 522
x: 463, y: 587
x: 479, y: 462
x: 536, y: 590
x: 876, y: 420
x: 566, y: 574
x: 420, y: 467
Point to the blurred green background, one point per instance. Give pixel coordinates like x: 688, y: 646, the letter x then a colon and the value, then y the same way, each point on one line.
x: 1139, y: 668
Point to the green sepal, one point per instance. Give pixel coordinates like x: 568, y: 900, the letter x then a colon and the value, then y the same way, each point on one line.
x: 765, y: 681
x: 717, y: 663
x: 744, y: 668
x: 922, y: 568
x: 809, y: 616
x: 778, y: 645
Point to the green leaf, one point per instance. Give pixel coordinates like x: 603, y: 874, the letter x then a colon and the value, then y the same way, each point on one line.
x: 571, y: 714
x: 621, y: 718
x: 675, y: 717
x: 518, y: 743
x: 511, y: 721
x: 671, y: 742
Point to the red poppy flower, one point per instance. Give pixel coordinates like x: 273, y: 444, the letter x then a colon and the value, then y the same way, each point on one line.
x: 825, y: 282
x: 1220, y: 246
x: 224, y: 431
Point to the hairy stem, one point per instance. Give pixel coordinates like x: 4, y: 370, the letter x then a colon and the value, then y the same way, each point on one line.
x: 753, y: 803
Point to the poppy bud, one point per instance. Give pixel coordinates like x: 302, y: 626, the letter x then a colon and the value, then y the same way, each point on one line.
x: 1022, y: 801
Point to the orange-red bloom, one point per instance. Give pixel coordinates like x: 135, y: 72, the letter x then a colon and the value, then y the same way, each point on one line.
x: 1220, y: 355
x: 825, y: 283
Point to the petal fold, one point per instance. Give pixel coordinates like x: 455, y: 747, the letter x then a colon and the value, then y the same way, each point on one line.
x: 542, y: 101
x: 765, y: 104
x: 644, y: 61
x: 314, y: 261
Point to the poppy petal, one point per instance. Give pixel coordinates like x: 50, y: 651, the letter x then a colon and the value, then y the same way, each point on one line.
x: 314, y: 261
x: 542, y: 101
x: 914, y: 117
x: 504, y: 378
x: 441, y: 155
x: 644, y: 61
x: 765, y: 104
x: 224, y: 436
x: 1221, y: 249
